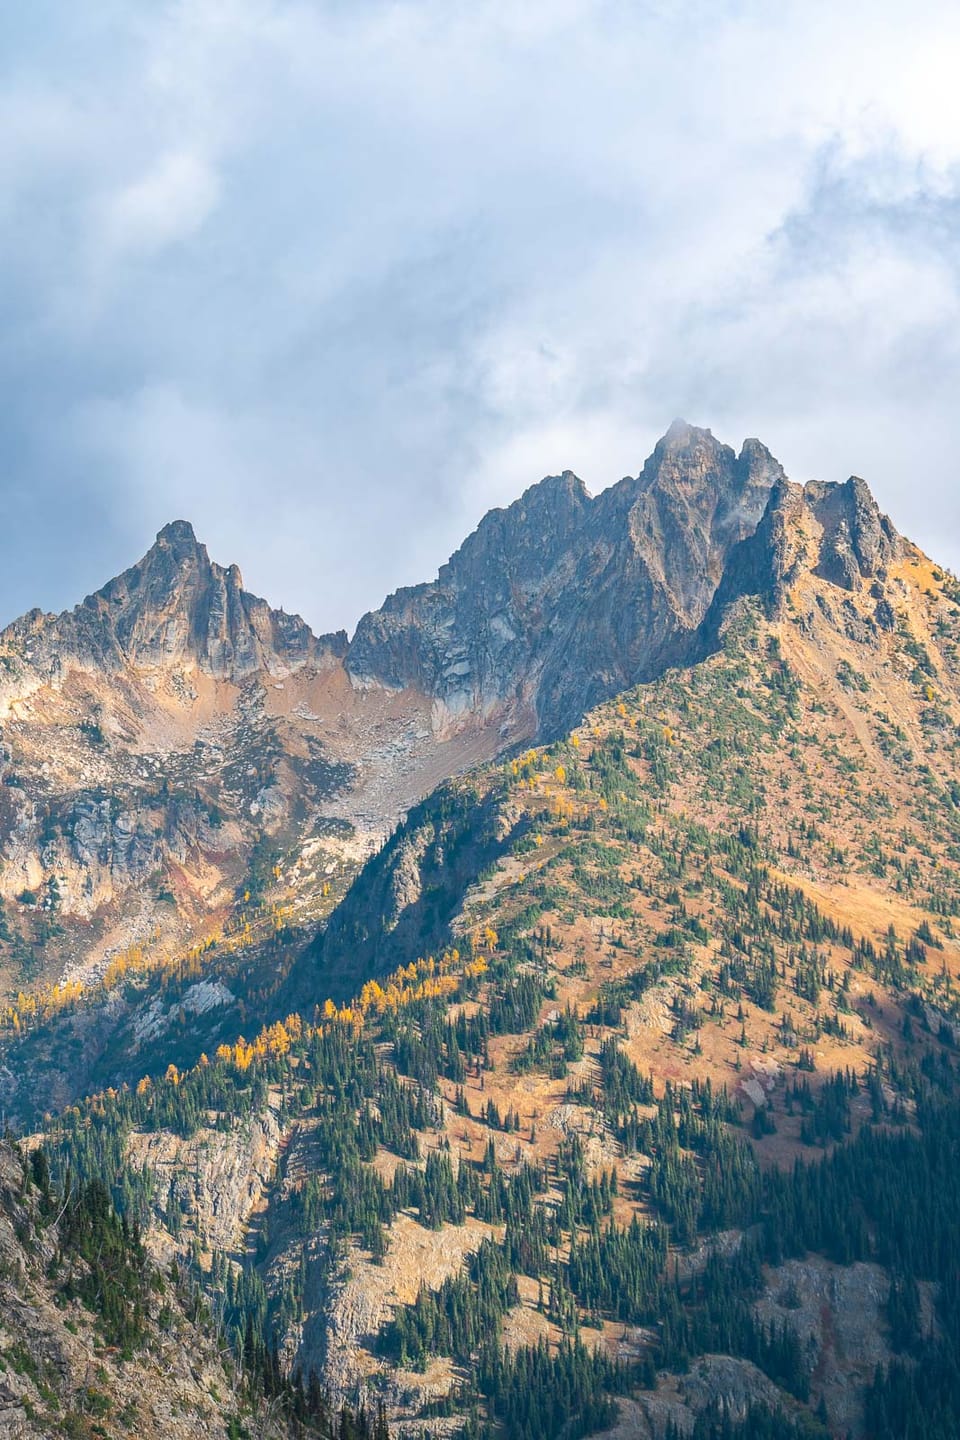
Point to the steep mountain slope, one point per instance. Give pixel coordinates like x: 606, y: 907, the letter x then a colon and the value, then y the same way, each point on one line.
x: 648, y: 1088
x: 175, y: 607
x: 79, y: 1353
x: 563, y: 599
x: 173, y: 740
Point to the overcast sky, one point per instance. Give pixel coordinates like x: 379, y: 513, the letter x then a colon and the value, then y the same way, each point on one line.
x: 331, y: 279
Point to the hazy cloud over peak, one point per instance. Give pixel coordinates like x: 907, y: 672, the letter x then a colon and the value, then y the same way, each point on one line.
x: 330, y: 280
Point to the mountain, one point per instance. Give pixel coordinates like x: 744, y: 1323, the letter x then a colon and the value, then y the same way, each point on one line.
x: 617, y: 1090
x: 825, y: 547
x: 174, y: 609
x: 162, y: 737
x: 168, y: 740
x: 563, y: 599
x: 730, y: 892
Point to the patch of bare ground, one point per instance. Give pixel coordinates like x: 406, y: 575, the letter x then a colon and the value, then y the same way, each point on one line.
x: 364, y: 1298
x: 214, y: 1184
x: 736, y: 1385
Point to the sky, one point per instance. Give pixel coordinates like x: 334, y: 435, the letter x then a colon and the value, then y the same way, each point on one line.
x: 331, y: 279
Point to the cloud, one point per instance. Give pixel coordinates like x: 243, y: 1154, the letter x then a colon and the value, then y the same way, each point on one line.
x: 332, y: 279
x: 167, y: 204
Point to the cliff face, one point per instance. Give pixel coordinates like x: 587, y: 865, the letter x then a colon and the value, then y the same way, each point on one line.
x: 563, y: 599
x: 175, y: 607
x: 62, y: 1374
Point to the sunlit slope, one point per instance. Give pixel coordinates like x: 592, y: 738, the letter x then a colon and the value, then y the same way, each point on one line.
x: 604, y: 996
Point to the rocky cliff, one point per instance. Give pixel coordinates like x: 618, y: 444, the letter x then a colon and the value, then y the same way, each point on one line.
x: 818, y: 532
x: 62, y: 1371
x: 563, y: 599
x: 174, y: 608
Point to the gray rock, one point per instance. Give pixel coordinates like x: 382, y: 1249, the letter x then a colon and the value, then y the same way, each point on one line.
x: 564, y: 599
x: 174, y: 605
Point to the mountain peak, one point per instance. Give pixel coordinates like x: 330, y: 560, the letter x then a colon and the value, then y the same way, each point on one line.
x: 694, y: 453
x: 561, y: 598
x: 681, y: 437
x: 178, y: 540
x: 175, y: 608
x: 681, y: 430
x: 697, y: 496
x: 177, y: 532
x: 689, y: 457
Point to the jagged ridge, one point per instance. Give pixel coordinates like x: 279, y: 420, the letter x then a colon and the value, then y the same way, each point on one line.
x: 175, y: 606
x: 563, y: 599
x: 140, y: 721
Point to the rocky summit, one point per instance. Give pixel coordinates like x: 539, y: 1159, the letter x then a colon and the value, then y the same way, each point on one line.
x: 174, y: 609
x: 537, y: 1016
x: 563, y: 599
x: 154, y: 733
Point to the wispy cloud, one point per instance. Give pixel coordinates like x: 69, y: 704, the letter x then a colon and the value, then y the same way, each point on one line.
x: 167, y: 204
x: 331, y: 279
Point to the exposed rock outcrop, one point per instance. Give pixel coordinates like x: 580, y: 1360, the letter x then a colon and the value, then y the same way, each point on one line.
x: 59, y: 1374
x: 175, y: 607
x: 563, y: 599
x: 836, y: 532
